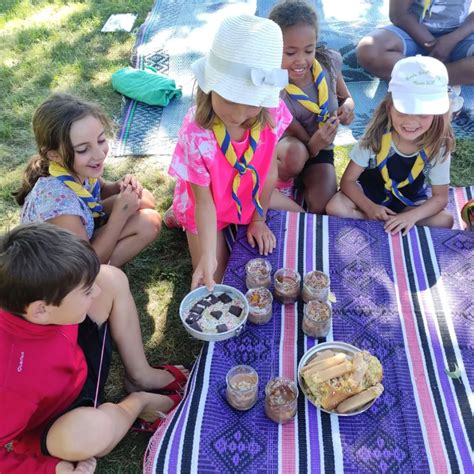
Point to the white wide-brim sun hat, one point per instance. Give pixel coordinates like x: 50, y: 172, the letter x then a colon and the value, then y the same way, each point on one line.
x: 244, y: 63
x: 419, y: 86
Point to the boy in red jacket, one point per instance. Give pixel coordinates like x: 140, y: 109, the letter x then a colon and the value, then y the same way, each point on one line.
x: 55, y: 348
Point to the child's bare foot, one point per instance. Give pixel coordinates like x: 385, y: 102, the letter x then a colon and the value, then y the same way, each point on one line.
x: 158, y: 379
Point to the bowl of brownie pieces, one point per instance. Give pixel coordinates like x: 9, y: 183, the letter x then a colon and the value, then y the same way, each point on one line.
x: 214, y: 316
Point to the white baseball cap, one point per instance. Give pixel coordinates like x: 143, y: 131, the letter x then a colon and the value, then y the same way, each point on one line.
x: 244, y: 63
x: 419, y: 86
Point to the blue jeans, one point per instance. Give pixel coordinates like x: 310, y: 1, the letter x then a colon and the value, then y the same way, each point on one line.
x: 462, y: 50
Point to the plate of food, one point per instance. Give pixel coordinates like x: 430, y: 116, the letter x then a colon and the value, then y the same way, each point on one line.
x: 214, y: 316
x: 339, y: 378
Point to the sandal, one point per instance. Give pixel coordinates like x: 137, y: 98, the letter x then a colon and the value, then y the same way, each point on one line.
x: 142, y: 426
x: 179, y: 381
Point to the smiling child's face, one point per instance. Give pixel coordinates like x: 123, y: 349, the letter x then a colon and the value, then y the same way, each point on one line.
x: 90, y: 147
x: 409, y: 127
x: 299, y: 44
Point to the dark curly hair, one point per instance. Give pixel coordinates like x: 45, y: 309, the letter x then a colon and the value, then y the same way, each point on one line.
x: 296, y: 12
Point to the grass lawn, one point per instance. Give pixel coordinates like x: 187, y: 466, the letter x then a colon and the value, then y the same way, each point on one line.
x: 53, y: 45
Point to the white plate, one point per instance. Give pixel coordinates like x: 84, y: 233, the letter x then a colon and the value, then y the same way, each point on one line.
x: 201, y: 292
x: 347, y: 349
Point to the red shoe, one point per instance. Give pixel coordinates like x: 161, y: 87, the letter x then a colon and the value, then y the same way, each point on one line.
x: 170, y: 220
x: 142, y: 426
x: 179, y: 381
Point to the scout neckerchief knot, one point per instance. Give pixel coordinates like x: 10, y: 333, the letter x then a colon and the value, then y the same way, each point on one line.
x: 242, y: 164
x: 91, y: 200
x: 319, y: 109
x: 392, y: 188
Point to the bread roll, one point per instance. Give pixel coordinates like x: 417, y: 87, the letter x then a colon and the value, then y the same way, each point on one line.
x: 320, y: 376
x: 358, y: 401
x: 326, y: 363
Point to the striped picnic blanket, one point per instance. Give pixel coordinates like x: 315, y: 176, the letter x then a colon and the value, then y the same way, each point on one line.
x: 408, y: 300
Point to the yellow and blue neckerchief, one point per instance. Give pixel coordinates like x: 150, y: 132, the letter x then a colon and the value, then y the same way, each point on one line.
x: 242, y: 164
x: 92, y: 200
x: 392, y: 188
x: 321, y: 109
x: 426, y: 7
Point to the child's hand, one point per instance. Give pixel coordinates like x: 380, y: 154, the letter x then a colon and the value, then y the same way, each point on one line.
x: 259, y: 233
x: 130, y: 180
x: 345, y: 113
x: 401, y: 222
x: 85, y: 467
x: 441, y: 47
x: 204, y: 273
x: 323, y: 137
x: 379, y: 213
x: 127, y: 202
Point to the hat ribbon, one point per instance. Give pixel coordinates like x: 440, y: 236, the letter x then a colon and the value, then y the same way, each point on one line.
x: 241, y: 165
x: 392, y: 188
x: 92, y: 200
x: 320, y: 109
x: 258, y: 76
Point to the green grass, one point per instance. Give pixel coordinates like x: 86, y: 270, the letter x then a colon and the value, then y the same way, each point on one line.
x: 52, y: 45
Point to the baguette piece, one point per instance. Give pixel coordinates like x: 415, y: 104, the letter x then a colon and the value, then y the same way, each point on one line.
x: 320, y: 376
x: 358, y: 401
x: 318, y: 365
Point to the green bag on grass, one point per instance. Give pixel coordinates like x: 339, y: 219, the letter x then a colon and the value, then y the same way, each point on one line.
x: 145, y: 85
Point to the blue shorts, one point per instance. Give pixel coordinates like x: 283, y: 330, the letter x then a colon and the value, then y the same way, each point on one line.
x: 463, y: 49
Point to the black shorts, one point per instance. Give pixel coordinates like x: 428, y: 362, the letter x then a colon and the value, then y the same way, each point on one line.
x: 89, y: 338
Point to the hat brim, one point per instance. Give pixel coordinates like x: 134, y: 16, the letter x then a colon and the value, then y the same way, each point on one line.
x: 421, y: 104
x: 234, y: 89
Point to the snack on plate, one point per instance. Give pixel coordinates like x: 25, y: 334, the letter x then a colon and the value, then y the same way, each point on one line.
x: 337, y: 381
x: 215, y: 313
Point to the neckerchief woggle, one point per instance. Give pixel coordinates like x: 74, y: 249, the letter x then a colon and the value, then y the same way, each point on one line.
x: 392, y: 188
x: 90, y: 199
x: 320, y: 109
x: 242, y: 164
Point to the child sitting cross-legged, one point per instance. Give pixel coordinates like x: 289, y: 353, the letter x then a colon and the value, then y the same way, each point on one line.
x: 408, y: 142
x: 59, y: 312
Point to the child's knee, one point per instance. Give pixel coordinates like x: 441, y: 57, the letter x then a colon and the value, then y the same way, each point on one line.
x: 83, y: 433
x: 367, y: 51
x: 445, y: 219
x: 295, y: 157
x: 334, y: 206
x: 150, y: 226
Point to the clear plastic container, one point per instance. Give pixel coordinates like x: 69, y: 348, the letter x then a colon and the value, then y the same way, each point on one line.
x: 281, y: 399
x: 287, y: 285
x: 258, y: 273
x: 315, y: 286
x: 242, y: 387
x: 317, y: 317
x: 260, y: 305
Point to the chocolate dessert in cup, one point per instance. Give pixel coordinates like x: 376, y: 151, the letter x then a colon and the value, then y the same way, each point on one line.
x: 242, y: 387
x: 315, y: 286
x: 281, y: 399
x: 260, y: 305
x: 258, y: 273
x: 317, y: 318
x: 287, y: 285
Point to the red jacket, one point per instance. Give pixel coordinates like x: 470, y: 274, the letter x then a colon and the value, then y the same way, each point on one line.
x: 42, y: 371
